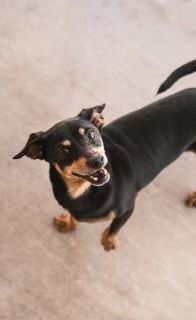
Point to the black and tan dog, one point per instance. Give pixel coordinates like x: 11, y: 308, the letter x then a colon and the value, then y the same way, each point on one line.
x: 96, y: 173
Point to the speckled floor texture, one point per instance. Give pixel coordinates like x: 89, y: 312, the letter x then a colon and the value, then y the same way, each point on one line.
x: 55, y: 58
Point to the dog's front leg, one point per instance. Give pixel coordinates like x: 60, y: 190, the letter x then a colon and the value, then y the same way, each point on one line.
x: 191, y: 200
x: 65, y: 222
x: 109, y: 239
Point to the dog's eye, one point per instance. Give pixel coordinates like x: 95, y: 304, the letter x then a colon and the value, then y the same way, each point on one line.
x: 64, y: 150
x: 91, y: 134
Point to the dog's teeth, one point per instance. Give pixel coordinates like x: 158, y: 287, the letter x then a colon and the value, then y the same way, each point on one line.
x: 94, y: 178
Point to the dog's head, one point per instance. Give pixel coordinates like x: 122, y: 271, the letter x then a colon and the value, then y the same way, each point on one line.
x: 73, y: 146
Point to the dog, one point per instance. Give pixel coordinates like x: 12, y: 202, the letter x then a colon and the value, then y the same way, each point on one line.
x: 97, y: 171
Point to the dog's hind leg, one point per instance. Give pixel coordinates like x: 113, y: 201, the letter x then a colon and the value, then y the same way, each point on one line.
x: 109, y: 239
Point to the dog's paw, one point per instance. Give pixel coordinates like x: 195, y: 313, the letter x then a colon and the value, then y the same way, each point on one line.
x: 109, y: 242
x: 191, y: 200
x: 64, y: 223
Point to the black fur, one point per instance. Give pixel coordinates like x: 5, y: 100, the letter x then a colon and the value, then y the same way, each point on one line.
x: 138, y: 147
x: 180, y: 72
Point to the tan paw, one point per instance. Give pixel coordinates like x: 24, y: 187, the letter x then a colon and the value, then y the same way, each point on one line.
x: 109, y: 242
x: 65, y: 223
x: 191, y: 200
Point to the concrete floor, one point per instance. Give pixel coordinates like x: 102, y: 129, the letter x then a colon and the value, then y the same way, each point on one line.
x: 56, y: 57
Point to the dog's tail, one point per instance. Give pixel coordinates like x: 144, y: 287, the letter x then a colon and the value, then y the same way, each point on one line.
x: 182, y: 71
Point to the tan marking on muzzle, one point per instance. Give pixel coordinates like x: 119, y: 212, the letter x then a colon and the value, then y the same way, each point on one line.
x: 79, y: 166
x: 76, y: 186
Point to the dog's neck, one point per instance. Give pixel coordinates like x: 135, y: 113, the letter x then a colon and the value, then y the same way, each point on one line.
x: 75, y: 186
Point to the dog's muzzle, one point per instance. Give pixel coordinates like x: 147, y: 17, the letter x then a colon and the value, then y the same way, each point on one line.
x: 97, y: 178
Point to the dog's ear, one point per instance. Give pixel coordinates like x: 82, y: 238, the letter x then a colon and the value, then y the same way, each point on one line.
x: 33, y: 147
x: 93, y: 115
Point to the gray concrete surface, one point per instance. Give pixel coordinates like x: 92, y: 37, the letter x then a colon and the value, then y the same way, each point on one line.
x: 56, y: 57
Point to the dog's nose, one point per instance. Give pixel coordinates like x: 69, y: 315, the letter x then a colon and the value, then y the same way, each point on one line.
x: 97, y: 162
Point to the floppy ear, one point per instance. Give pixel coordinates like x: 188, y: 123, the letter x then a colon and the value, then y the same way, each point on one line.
x: 33, y: 147
x: 93, y: 115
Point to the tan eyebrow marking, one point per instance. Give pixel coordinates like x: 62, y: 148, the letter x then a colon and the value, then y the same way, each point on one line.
x: 66, y: 143
x: 81, y: 131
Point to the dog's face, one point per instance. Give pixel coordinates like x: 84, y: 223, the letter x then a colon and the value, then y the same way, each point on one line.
x: 73, y: 146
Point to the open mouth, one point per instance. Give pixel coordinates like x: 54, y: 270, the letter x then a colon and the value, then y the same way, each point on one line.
x: 97, y: 178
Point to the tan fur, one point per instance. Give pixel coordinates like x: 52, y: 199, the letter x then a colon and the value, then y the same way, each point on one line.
x: 81, y: 131
x: 191, y: 200
x: 76, y: 186
x: 65, y: 223
x: 79, y: 166
x: 66, y: 143
x: 109, y: 242
x: 97, y: 119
